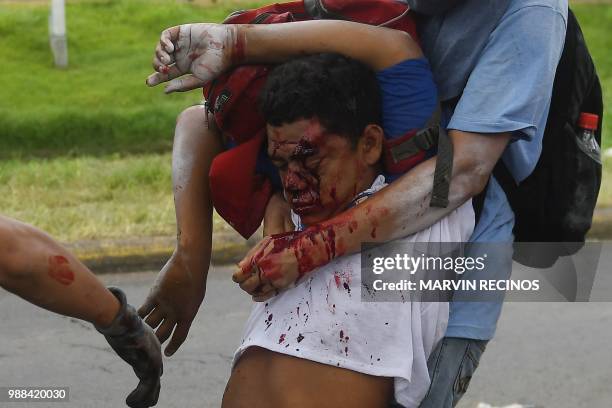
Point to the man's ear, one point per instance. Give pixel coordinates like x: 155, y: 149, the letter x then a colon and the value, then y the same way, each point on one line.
x: 370, y: 144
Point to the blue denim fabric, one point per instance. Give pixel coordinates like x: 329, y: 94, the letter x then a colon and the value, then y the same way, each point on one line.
x: 451, y: 367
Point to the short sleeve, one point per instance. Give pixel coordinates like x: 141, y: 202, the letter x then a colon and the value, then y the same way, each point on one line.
x: 510, y: 88
x: 409, y: 96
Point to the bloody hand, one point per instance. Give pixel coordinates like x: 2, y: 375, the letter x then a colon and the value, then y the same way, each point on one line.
x: 135, y: 343
x: 204, y: 50
x: 279, y: 260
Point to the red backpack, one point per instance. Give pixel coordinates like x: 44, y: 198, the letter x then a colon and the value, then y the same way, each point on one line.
x: 239, y: 194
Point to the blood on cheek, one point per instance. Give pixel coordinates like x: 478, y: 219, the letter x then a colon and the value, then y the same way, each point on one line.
x: 59, y: 270
x: 302, y: 181
x: 303, y: 190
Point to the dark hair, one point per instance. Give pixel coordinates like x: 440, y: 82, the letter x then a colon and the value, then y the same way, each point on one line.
x: 341, y: 92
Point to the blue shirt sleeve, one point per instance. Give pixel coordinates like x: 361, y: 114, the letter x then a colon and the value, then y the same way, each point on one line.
x: 510, y: 88
x: 409, y: 96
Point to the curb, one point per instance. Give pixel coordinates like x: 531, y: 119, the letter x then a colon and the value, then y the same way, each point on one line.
x: 151, y: 253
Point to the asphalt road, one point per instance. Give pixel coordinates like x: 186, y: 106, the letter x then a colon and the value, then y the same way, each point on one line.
x: 545, y: 354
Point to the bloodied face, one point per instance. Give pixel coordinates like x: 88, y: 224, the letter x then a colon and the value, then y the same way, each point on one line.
x: 321, y: 172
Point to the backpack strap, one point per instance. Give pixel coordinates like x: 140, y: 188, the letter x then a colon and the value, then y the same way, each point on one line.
x: 423, y: 141
x: 443, y: 172
x: 413, y: 145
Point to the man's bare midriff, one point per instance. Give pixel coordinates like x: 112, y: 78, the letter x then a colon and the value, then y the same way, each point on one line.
x: 263, y: 378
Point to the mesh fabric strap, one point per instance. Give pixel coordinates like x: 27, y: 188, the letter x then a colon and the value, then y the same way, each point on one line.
x: 444, y: 168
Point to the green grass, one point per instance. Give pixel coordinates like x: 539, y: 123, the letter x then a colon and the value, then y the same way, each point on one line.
x: 84, y: 152
x: 100, y: 104
x: 596, y: 23
x: 105, y: 135
x: 91, y: 197
x: 605, y: 192
x: 87, y: 197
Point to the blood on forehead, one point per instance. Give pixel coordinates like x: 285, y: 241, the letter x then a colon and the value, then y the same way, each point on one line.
x: 299, y: 139
x: 315, y: 132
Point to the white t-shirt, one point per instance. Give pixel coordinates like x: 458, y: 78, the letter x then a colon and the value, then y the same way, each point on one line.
x: 323, y: 318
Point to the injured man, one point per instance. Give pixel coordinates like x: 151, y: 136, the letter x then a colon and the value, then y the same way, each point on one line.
x: 311, y: 341
x: 317, y: 343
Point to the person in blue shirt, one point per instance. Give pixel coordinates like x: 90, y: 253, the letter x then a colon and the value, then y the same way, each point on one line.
x: 494, y: 64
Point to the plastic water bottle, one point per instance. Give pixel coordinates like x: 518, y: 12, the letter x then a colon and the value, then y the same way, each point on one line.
x: 588, y: 123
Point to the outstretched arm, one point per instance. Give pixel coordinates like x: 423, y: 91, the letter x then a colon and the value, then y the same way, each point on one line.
x: 37, y: 268
x: 206, y: 50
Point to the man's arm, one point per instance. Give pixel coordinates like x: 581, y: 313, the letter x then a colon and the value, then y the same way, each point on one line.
x: 377, y: 47
x: 206, y: 50
x: 178, y: 291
